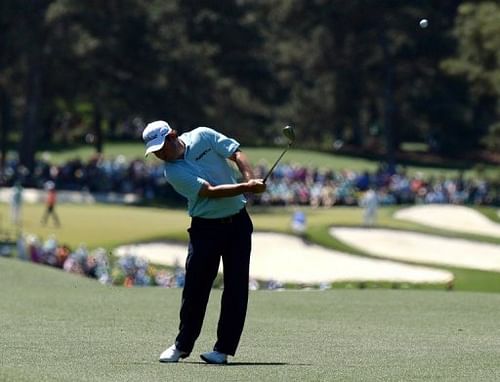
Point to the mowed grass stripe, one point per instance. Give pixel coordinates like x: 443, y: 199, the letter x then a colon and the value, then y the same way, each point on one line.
x: 61, y: 327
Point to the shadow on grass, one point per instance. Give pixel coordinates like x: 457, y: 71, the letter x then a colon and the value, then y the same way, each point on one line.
x: 249, y: 363
x: 266, y: 364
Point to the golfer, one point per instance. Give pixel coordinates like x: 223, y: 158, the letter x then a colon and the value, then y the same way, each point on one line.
x: 196, y: 166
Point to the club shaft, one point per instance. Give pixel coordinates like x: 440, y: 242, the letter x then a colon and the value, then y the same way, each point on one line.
x: 276, y: 163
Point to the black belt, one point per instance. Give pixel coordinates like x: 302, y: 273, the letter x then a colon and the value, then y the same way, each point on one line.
x: 225, y: 220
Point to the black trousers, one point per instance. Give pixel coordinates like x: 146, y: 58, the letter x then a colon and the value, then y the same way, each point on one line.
x: 210, y: 240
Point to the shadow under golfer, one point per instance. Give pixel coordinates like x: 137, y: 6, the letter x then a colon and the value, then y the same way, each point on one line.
x: 257, y: 364
x: 251, y: 363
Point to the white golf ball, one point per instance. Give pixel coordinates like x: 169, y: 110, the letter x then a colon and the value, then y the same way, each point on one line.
x: 424, y: 23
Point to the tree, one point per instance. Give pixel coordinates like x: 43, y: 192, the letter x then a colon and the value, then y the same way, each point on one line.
x: 477, y: 61
x: 22, y: 72
x: 101, y: 49
x: 339, y: 74
x: 223, y: 74
x: 35, y: 59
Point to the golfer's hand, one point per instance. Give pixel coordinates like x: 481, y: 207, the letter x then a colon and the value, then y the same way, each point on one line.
x: 256, y: 186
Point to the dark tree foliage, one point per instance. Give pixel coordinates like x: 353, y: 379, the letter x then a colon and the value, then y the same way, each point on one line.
x: 357, y: 74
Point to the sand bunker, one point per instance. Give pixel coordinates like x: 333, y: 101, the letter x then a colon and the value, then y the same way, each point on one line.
x: 287, y: 258
x: 422, y: 248
x: 450, y: 217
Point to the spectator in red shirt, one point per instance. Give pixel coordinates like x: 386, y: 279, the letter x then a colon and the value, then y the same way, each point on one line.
x: 50, y: 205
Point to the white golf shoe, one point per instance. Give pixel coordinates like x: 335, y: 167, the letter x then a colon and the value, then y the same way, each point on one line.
x: 172, y: 354
x: 214, y: 357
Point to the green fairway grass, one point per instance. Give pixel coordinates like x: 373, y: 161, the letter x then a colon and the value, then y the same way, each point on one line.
x: 108, y: 226
x: 102, y: 225
x: 61, y: 327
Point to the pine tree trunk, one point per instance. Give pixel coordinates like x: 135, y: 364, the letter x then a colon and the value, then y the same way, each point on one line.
x: 35, y: 58
x: 5, y: 121
x: 27, y: 148
x: 98, y: 138
x: 388, y: 112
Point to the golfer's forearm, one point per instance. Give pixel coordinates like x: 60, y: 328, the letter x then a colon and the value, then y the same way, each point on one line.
x: 243, y: 165
x: 224, y: 190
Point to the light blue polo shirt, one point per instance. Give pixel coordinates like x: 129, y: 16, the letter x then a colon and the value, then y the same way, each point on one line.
x: 205, y: 160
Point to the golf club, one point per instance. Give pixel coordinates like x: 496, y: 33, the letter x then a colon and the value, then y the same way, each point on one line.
x: 290, y: 135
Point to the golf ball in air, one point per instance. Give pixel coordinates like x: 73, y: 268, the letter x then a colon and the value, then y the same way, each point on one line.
x: 424, y: 23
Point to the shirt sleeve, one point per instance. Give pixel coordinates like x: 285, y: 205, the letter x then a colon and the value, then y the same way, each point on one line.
x: 186, y: 184
x: 223, y: 145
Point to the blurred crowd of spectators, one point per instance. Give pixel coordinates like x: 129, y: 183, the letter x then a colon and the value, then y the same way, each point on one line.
x: 95, y: 175
x: 298, y: 185
x: 288, y: 185
x: 128, y: 270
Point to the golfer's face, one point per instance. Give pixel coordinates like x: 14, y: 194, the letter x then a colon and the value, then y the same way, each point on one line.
x: 169, y: 150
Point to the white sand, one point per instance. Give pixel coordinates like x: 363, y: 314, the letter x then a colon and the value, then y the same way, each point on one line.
x: 422, y: 248
x: 288, y: 259
x: 450, y: 217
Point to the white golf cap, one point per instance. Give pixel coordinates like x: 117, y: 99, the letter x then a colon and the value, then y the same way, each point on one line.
x: 154, y: 135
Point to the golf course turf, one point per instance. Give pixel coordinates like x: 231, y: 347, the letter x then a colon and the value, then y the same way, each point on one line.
x: 60, y: 327
x: 55, y: 326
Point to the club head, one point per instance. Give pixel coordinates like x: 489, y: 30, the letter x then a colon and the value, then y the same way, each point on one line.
x: 289, y: 134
